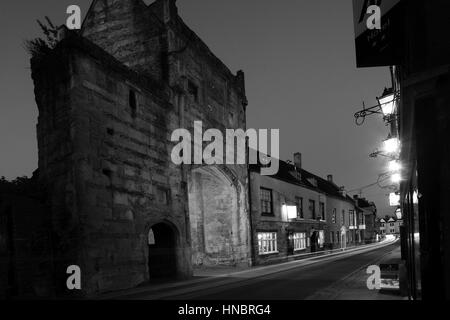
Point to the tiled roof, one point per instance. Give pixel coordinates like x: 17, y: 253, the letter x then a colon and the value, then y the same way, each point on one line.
x: 287, y: 171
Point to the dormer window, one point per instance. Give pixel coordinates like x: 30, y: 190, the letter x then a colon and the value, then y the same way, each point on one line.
x: 296, y: 174
x: 313, y: 181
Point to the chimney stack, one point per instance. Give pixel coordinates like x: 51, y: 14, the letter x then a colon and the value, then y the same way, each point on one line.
x: 298, y: 160
x: 330, y: 178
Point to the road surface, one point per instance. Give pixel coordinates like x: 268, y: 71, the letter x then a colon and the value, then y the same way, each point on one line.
x: 302, y: 282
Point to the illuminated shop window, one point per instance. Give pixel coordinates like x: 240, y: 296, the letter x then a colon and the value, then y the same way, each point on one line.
x: 267, y: 242
x: 299, y: 241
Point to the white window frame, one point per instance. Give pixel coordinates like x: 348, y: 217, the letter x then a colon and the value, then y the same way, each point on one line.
x: 299, y: 241
x: 269, y: 202
x: 267, y: 243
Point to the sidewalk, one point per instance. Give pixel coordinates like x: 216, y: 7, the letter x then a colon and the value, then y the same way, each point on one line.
x: 210, y: 277
x: 354, y: 286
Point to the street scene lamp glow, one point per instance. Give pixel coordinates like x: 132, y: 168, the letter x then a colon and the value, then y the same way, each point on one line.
x: 415, y: 197
x: 396, y: 178
x: 394, y: 166
x: 391, y: 145
x: 394, y: 199
x: 387, y: 104
x: 398, y: 213
x: 290, y: 211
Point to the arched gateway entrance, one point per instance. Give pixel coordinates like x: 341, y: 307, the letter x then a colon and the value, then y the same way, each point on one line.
x: 162, y: 251
x: 218, y: 217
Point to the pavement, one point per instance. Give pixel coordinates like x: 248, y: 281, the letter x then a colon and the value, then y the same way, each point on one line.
x: 354, y: 286
x: 311, y: 274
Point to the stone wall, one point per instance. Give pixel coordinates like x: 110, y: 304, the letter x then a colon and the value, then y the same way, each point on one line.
x: 106, y: 186
x: 218, y: 217
x: 129, y: 31
x: 26, y: 261
x: 108, y: 103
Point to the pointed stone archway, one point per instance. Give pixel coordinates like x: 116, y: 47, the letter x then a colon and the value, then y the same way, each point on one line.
x: 218, y: 217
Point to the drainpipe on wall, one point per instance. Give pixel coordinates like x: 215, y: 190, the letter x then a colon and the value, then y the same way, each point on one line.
x: 252, y: 239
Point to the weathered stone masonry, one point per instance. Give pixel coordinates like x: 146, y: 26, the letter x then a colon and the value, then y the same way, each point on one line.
x: 108, y: 102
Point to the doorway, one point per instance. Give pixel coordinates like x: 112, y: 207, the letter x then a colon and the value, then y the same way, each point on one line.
x: 162, y: 259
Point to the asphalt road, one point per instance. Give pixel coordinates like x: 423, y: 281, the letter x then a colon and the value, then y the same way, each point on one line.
x: 295, y: 284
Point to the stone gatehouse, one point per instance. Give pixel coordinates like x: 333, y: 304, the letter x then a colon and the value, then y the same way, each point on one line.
x: 109, y: 97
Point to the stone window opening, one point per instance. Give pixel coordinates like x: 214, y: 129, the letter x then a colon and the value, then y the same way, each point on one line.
x: 132, y: 102
x: 162, y: 195
x: 107, y: 172
x: 193, y: 91
x: 230, y: 117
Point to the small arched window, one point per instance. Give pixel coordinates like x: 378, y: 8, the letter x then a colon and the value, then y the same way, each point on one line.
x: 132, y: 103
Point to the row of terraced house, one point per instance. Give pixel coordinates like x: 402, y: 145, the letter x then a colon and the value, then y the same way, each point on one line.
x: 296, y: 212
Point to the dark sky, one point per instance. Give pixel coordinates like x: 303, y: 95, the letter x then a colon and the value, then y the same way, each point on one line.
x: 299, y: 61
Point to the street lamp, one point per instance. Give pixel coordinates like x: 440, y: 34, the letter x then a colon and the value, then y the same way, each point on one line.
x: 378, y: 153
x: 394, y: 166
x: 291, y: 212
x: 396, y: 178
x: 416, y: 197
x: 391, y: 145
x: 387, y: 103
x: 386, y: 106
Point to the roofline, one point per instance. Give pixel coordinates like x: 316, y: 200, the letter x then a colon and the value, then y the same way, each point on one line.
x: 299, y: 184
x: 308, y: 187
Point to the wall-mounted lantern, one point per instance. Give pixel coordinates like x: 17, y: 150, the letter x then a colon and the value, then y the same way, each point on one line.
x: 396, y: 178
x: 386, y: 106
x: 290, y: 211
x: 391, y: 145
x: 394, y: 166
